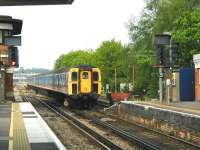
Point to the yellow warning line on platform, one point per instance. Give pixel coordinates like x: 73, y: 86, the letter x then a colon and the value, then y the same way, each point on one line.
x: 11, y: 131
x: 18, y: 139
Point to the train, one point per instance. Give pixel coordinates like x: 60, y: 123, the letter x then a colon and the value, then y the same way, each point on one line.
x: 81, y: 85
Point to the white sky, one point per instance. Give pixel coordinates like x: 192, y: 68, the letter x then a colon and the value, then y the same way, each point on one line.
x: 49, y: 31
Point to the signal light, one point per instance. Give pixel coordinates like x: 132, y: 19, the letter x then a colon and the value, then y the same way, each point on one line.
x: 13, y: 63
x: 13, y: 57
x: 175, y: 52
x: 160, y: 55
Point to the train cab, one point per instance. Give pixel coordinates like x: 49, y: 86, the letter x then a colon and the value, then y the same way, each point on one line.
x: 84, y: 82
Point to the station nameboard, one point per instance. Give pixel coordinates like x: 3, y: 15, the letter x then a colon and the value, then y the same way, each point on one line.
x: 12, y: 41
x: 33, y: 2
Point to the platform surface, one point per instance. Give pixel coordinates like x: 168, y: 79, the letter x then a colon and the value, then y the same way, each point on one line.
x: 5, y: 115
x: 185, y: 107
x: 160, y: 114
x: 22, y: 128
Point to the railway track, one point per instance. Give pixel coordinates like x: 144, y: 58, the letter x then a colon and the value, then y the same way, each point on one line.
x: 144, y: 144
x: 103, y: 104
x: 104, y: 142
x: 194, y: 145
x: 134, y: 138
x: 99, y: 139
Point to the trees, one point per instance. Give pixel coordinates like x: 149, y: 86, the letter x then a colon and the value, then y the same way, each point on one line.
x: 108, y: 56
x: 75, y: 58
x: 186, y: 31
x: 111, y: 55
x: 180, y: 17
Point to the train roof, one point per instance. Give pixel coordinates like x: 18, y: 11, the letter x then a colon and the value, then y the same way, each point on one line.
x: 89, y: 67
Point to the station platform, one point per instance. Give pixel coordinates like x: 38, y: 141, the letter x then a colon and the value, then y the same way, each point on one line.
x: 180, y: 119
x: 190, y: 107
x: 22, y: 128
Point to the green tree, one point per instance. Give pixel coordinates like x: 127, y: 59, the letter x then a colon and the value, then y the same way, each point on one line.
x: 109, y: 58
x: 75, y: 58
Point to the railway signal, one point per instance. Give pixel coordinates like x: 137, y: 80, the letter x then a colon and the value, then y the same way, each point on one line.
x: 160, y: 40
x: 175, y: 52
x: 13, y: 57
x: 160, y: 55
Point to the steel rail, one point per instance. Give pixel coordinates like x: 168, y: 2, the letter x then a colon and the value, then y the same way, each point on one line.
x: 102, y: 141
x: 142, y: 143
x: 159, y: 132
x: 104, y: 104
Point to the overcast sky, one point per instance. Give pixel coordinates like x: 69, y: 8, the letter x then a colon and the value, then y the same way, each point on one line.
x: 49, y: 31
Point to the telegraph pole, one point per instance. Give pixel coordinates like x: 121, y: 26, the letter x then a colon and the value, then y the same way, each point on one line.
x: 133, y: 76
x: 115, y: 80
x: 171, y: 71
x: 160, y: 84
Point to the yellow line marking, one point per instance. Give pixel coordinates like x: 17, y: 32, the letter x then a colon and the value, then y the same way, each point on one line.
x: 18, y: 136
x: 11, y: 130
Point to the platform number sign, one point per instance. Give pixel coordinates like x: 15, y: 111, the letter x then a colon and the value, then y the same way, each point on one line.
x: 13, y: 57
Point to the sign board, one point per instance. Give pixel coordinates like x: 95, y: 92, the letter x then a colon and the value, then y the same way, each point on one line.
x: 168, y: 82
x: 6, y: 26
x: 33, y: 2
x: 196, y: 60
x: 12, y: 41
x: 1, y: 37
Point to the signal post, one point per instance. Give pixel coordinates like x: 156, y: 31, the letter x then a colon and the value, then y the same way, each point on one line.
x: 9, y: 28
x: 160, y: 41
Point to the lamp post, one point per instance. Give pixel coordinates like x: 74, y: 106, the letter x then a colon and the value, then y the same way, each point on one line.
x: 159, y: 41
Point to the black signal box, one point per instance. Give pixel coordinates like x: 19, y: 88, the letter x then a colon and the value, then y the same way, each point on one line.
x: 13, y: 57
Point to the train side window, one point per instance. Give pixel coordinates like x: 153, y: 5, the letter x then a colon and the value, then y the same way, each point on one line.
x: 74, y: 76
x: 85, y: 75
x: 95, y: 76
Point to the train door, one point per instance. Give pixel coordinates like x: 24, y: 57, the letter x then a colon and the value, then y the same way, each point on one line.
x: 85, y: 81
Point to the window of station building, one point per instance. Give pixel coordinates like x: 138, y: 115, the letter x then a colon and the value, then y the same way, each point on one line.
x: 85, y: 75
x: 95, y: 76
x: 74, y: 76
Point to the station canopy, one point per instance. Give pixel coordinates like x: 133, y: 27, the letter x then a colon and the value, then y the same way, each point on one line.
x: 33, y: 2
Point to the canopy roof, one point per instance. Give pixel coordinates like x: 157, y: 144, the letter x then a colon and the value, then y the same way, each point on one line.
x: 34, y: 2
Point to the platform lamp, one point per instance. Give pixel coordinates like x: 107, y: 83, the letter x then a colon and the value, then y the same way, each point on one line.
x: 160, y: 40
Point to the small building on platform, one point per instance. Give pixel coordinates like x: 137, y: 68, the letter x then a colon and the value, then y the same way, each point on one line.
x: 182, y: 85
